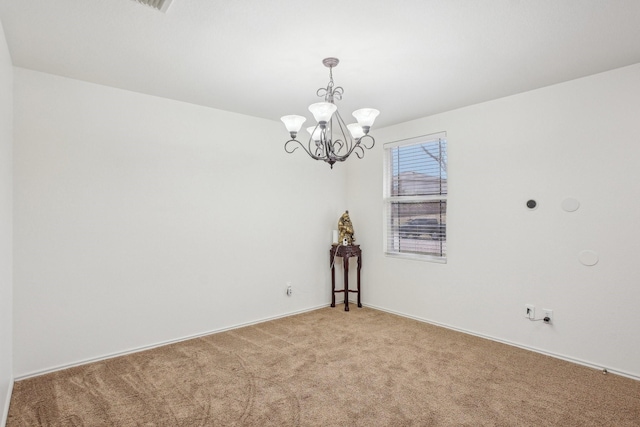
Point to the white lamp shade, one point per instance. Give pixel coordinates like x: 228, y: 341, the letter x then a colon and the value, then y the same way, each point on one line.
x: 366, y: 116
x: 322, y: 111
x: 293, y: 123
x: 356, y: 130
x: 315, y: 132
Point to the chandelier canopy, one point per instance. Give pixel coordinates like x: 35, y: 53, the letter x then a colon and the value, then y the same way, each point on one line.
x: 331, y: 140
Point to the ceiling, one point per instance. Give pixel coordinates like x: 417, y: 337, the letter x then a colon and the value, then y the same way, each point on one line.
x: 407, y: 58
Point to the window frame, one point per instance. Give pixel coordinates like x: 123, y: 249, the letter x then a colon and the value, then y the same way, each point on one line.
x: 388, y: 199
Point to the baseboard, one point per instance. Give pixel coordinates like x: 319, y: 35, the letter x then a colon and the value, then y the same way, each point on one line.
x: 5, y: 413
x: 160, y: 344
x: 514, y: 344
x: 255, y: 322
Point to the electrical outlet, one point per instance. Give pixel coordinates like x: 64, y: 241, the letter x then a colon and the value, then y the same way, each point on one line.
x: 547, y: 313
x: 529, y: 311
x: 289, y: 289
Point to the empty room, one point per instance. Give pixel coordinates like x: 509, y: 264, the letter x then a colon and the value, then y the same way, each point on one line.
x: 295, y: 213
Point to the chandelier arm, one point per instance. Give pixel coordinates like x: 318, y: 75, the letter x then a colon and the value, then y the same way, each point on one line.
x: 322, y: 92
x: 318, y: 149
x: 338, y: 91
x: 319, y: 153
x: 338, y: 146
x: 364, y: 138
x: 359, y: 151
x: 330, y: 93
x: 298, y: 146
x: 358, y: 148
x: 347, y: 142
x: 324, y: 145
x: 346, y: 156
x: 286, y: 146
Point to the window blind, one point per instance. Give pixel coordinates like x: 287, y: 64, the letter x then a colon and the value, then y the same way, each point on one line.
x: 416, y: 193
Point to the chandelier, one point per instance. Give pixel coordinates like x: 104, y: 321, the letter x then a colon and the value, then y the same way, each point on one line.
x: 331, y: 139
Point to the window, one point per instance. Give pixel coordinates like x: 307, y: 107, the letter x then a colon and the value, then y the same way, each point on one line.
x: 415, y: 197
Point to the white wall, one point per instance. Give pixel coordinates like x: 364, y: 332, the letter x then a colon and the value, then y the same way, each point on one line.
x: 6, y: 262
x: 140, y: 220
x: 577, y: 139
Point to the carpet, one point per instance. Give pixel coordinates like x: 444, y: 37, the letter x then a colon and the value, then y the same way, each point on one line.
x: 329, y: 368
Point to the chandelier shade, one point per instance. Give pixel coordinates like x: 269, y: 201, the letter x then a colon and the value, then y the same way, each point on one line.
x: 315, y: 132
x: 331, y: 139
x: 366, y: 116
x: 322, y: 111
x: 356, y: 130
x: 293, y: 123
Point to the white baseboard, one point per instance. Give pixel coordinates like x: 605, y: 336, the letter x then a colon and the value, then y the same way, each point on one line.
x: 514, y: 344
x: 160, y: 344
x: 5, y: 413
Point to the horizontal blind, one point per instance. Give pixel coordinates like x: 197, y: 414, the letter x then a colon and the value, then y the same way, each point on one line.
x: 419, y: 169
x: 416, y: 193
x: 417, y: 228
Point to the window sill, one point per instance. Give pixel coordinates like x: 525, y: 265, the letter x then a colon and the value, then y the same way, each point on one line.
x: 417, y: 257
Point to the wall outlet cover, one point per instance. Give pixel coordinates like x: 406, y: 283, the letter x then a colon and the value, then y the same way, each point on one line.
x: 529, y: 311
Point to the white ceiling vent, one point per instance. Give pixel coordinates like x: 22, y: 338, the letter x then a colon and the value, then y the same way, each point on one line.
x: 161, y: 5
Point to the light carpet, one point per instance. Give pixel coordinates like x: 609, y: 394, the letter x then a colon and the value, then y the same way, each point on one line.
x: 329, y: 368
